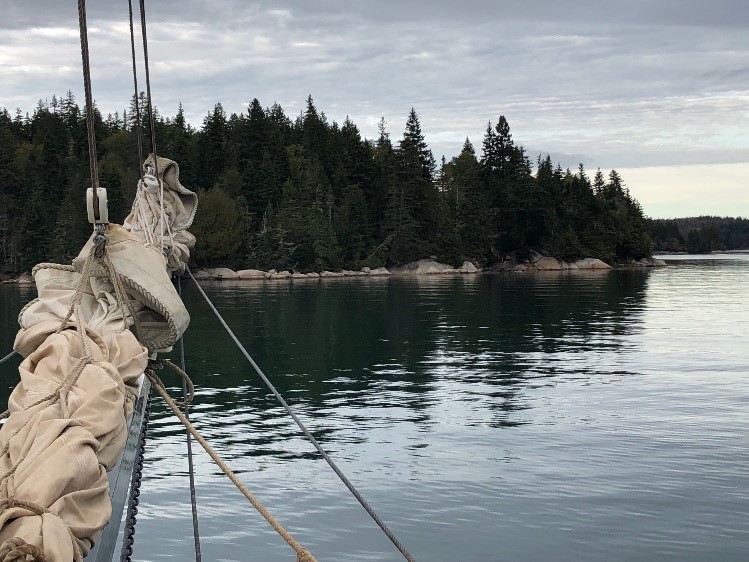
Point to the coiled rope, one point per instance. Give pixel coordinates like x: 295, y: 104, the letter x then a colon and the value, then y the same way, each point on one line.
x: 304, y: 429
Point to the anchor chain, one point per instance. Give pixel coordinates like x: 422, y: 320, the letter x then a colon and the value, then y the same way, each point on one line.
x: 133, y: 498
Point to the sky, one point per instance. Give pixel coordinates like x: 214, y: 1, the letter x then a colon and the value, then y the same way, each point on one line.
x: 657, y: 89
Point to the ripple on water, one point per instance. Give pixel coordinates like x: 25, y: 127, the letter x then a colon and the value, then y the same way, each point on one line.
x: 559, y: 417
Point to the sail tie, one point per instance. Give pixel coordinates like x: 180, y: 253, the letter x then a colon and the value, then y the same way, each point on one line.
x: 16, y: 549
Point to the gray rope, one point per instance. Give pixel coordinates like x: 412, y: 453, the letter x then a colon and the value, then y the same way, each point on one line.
x: 144, y: 33
x: 193, y: 500
x: 7, y: 357
x: 83, y: 28
x: 306, y: 432
x: 135, y: 87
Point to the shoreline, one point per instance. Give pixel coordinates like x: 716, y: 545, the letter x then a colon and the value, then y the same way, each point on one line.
x: 536, y: 264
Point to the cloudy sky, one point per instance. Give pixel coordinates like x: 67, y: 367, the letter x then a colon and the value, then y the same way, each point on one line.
x: 658, y: 89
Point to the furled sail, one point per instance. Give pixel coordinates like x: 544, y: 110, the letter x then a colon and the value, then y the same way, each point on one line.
x: 86, y: 340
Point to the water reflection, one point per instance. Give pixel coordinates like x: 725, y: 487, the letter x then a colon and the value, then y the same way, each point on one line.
x: 375, y: 353
x: 554, y: 416
x: 366, y: 354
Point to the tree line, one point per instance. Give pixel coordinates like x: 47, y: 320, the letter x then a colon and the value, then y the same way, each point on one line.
x: 699, y: 235
x: 309, y: 194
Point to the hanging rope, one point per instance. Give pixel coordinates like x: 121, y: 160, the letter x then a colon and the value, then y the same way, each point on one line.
x: 89, y: 101
x: 144, y: 34
x: 135, y: 88
x: 190, y: 466
x: 303, y: 555
x: 306, y: 432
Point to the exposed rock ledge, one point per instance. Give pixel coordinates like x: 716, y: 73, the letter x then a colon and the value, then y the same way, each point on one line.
x: 225, y: 274
x: 646, y: 262
x: 421, y: 267
x: 547, y: 263
x: 23, y: 279
x: 431, y: 267
x: 538, y: 262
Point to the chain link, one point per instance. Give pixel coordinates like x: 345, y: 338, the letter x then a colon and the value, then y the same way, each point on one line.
x: 133, y: 499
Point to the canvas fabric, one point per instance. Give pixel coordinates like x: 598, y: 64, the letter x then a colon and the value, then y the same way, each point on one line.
x: 146, y: 220
x: 55, y: 452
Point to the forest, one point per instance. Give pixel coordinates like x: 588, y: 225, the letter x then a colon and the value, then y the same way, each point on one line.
x: 699, y: 235
x: 308, y: 194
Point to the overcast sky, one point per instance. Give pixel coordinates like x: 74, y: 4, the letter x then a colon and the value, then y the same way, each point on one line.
x: 658, y: 89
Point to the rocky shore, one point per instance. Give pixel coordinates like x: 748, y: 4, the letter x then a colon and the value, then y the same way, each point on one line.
x: 421, y: 267
x: 537, y: 262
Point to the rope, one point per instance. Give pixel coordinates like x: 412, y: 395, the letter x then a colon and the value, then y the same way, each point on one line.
x: 163, y: 223
x: 193, y: 500
x: 303, y: 555
x: 187, y: 386
x: 135, y: 84
x: 7, y: 357
x: 9, y: 503
x: 17, y: 550
x: 133, y: 499
x: 89, y: 102
x: 306, y: 432
x: 144, y: 34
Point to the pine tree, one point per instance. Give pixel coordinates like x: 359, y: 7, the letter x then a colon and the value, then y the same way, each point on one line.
x: 413, y: 140
x: 599, y: 183
x: 384, y: 137
x: 311, y: 194
x: 212, y: 146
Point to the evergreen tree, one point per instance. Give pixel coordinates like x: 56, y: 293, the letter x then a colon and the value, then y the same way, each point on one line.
x: 468, y: 147
x: 216, y: 229
x: 310, y: 194
x: 212, y: 146
x: 599, y: 183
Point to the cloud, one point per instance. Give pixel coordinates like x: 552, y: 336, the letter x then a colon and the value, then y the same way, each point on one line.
x: 612, y: 84
x: 683, y: 191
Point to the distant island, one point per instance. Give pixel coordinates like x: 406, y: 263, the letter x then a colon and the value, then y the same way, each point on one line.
x: 310, y: 195
x: 699, y: 235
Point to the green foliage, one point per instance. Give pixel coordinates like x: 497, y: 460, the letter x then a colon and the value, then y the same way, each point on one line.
x: 699, y: 234
x: 216, y: 228
x: 309, y: 195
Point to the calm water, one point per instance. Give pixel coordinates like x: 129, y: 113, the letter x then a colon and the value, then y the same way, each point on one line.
x: 550, y: 417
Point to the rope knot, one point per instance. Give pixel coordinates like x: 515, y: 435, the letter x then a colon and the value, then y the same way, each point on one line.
x: 155, y: 365
x: 100, y: 241
x: 17, y: 550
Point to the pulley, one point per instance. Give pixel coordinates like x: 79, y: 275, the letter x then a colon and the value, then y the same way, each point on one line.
x: 100, y: 213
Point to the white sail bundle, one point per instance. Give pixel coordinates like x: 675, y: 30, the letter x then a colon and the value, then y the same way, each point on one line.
x: 162, y: 212
x: 82, y: 364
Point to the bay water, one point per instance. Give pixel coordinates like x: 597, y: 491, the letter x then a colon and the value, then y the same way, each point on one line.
x: 575, y: 416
